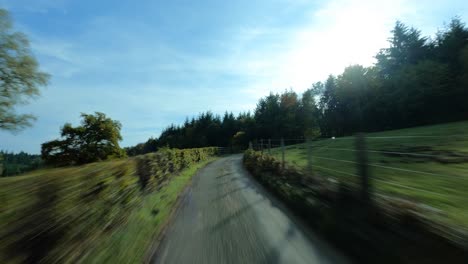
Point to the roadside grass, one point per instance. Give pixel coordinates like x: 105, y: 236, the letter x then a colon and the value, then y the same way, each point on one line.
x: 100, y: 212
x: 434, y: 170
x: 130, y: 243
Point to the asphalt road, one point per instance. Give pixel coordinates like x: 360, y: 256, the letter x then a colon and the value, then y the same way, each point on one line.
x: 226, y: 217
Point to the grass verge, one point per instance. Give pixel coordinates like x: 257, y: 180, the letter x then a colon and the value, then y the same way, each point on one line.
x: 66, y: 215
x: 131, y: 242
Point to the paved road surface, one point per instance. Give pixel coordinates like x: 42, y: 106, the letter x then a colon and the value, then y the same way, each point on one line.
x: 226, y: 217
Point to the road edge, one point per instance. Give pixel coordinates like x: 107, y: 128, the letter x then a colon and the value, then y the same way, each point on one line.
x: 153, y: 249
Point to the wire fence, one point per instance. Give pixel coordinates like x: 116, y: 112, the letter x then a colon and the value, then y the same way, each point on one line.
x: 431, y: 169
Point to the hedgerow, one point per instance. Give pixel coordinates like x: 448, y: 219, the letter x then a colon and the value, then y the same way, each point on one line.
x: 57, y: 215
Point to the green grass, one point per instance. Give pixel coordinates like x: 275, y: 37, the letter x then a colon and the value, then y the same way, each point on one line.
x: 103, y: 212
x: 443, y: 185
x: 130, y: 243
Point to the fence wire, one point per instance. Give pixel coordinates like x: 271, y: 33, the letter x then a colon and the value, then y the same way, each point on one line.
x: 418, y: 166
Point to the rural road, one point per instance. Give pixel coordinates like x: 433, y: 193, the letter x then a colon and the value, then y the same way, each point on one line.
x: 226, y: 217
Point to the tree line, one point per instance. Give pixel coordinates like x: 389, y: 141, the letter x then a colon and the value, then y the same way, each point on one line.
x: 18, y: 163
x: 417, y: 80
x: 276, y: 115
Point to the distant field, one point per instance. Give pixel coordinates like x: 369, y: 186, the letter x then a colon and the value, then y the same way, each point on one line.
x: 424, y: 164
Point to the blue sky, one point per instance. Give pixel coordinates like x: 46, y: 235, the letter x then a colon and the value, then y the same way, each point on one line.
x: 152, y: 63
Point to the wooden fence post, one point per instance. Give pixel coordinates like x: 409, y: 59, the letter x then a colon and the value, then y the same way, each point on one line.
x: 250, y: 145
x: 261, y: 145
x: 282, y: 153
x: 309, y: 156
x: 269, y: 146
x: 363, y: 169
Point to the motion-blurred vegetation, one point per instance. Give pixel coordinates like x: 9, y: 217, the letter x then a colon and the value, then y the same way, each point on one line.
x: 66, y: 214
x: 20, y: 80
x: 20, y: 77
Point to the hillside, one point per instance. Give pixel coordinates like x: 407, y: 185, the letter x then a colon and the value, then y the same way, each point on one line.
x: 426, y: 164
x: 104, y: 211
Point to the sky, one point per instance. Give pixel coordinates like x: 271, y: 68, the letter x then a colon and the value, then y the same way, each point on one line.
x: 151, y: 63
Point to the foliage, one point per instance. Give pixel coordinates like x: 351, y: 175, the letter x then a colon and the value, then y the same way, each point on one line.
x: 20, y: 77
x: 239, y: 140
x: 284, y: 114
x: 149, y: 146
x: 414, y: 82
x: 132, y: 243
x: 46, y: 217
x: 96, y: 139
x: 15, y: 164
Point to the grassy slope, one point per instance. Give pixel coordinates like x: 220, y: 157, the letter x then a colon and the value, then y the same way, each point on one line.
x: 98, y: 209
x: 444, y: 189
x: 20, y: 196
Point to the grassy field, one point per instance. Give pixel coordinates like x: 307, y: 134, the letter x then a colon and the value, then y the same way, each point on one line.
x: 428, y: 165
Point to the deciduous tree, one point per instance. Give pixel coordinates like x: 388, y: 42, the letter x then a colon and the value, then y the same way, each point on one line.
x: 97, y: 138
x: 20, y: 77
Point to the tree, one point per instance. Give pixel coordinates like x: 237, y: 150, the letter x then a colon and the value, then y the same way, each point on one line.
x: 309, y: 112
x: 406, y: 47
x: 450, y: 44
x: 96, y: 139
x: 289, y: 123
x: 329, y: 107
x: 239, y: 141
x: 267, y: 116
x: 424, y: 94
x: 20, y: 77
x: 352, y: 95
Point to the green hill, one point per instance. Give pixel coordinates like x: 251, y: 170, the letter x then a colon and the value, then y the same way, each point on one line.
x: 427, y: 164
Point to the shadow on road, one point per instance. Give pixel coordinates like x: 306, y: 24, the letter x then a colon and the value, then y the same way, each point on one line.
x: 233, y: 217
x: 229, y: 193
